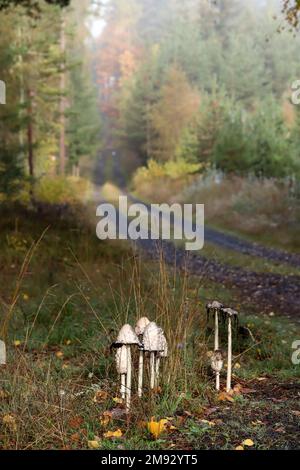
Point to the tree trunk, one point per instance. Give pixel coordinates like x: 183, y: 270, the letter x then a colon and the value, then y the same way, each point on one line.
x: 30, y: 135
x: 62, y: 144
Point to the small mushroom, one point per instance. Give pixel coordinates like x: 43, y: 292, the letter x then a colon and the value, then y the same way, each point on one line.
x: 139, y: 329
x: 216, y: 307
x: 231, y: 315
x: 125, y: 340
x: 154, y: 342
x: 2, y: 353
x: 217, y: 366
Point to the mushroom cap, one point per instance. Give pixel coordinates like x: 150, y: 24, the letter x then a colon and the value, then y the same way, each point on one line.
x: 215, y: 305
x: 230, y: 312
x: 122, y: 360
x: 164, y: 352
x: 2, y: 353
x: 153, y: 338
x: 127, y: 336
x: 141, y: 325
x: 217, y: 361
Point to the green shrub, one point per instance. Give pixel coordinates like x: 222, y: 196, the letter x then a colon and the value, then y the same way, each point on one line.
x: 60, y: 190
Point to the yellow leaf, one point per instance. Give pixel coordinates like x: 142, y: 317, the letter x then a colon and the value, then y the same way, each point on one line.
x: 59, y: 354
x: 105, y: 418
x: 100, y: 396
x: 94, y: 444
x: 3, y: 394
x: 113, y: 434
x: 117, y: 400
x: 25, y: 297
x: 248, y: 443
x: 10, y: 422
x: 237, y: 366
x: 239, y: 448
x: 224, y: 396
x: 17, y: 343
x: 156, y: 428
x: 68, y: 342
x: 209, y: 423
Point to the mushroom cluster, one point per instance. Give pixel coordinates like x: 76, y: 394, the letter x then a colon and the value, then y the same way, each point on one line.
x: 231, y: 316
x: 150, y: 339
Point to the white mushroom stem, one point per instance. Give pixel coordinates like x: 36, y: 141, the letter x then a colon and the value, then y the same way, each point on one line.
x: 139, y: 330
x: 216, y: 330
x: 217, y: 346
x: 152, y: 370
x: 128, y: 379
x: 157, y: 365
x: 123, y: 386
x: 217, y: 381
x: 229, y: 360
x: 141, y: 373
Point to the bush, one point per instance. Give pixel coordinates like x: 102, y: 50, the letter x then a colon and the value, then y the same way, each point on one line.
x: 159, y: 181
x: 61, y: 190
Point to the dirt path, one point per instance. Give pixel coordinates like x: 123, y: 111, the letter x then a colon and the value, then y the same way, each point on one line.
x: 266, y: 292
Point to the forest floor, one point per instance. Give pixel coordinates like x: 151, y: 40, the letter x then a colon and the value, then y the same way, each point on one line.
x: 60, y: 390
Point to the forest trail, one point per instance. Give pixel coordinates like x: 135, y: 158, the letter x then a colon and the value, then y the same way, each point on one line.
x: 266, y: 292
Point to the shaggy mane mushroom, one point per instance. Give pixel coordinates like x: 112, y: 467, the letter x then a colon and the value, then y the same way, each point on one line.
x: 126, y: 338
x: 232, y: 317
x: 156, y: 344
x: 140, y: 329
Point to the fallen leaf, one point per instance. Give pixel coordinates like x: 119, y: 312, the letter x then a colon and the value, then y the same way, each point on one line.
x: 10, y: 422
x: 94, y: 444
x: 68, y: 342
x: 239, y: 448
x: 59, y: 354
x: 210, y: 411
x: 117, y: 400
x: 237, y: 390
x: 281, y: 429
x: 75, y: 437
x: 248, y: 443
x: 17, y: 343
x: 237, y: 366
x: 224, y: 396
x: 25, y: 297
x: 113, y: 434
x: 100, y: 396
x: 209, y: 423
x: 76, y: 422
x: 156, y: 428
x: 3, y: 394
x: 105, y: 418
